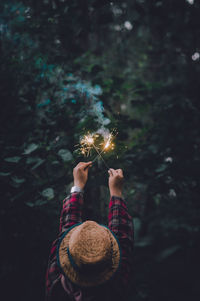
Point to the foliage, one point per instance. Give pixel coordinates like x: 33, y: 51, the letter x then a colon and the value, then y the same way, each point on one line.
x: 68, y: 67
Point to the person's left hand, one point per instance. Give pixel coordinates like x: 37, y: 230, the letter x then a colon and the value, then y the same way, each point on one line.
x: 80, y: 173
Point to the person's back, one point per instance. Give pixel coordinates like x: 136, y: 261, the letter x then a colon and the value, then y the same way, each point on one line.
x: 89, y: 261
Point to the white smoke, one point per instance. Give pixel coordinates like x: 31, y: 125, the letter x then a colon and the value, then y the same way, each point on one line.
x: 92, y: 102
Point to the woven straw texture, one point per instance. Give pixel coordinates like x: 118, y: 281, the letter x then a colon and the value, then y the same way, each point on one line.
x: 89, y: 254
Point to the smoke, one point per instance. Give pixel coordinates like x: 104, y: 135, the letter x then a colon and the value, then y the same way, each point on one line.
x: 93, y: 105
x: 71, y: 89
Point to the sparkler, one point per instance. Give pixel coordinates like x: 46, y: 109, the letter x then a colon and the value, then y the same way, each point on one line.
x: 87, y: 144
x: 88, y: 141
x: 106, y: 146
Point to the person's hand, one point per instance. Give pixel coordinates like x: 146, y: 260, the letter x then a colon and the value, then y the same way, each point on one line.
x: 80, y: 173
x: 115, y: 181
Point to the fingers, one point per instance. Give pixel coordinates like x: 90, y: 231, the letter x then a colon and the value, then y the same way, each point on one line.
x: 111, y: 172
x: 84, y: 165
x: 120, y: 172
x: 115, y: 172
x: 87, y: 163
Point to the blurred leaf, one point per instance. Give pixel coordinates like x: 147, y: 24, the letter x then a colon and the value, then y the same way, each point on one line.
x: 39, y: 162
x: 37, y: 203
x: 16, y: 182
x: 17, y: 196
x: 31, y: 160
x: 31, y: 148
x: 40, y: 202
x: 161, y: 168
x: 5, y: 174
x: 13, y: 159
x: 168, y: 252
x: 30, y: 204
x: 48, y: 193
x: 65, y: 154
x: 144, y: 242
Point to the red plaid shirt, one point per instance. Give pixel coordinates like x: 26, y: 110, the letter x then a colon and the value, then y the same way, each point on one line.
x: 119, y: 222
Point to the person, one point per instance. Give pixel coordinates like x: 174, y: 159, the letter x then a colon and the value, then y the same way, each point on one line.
x: 89, y: 261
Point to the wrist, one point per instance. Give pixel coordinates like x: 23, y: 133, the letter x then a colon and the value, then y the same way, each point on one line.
x: 76, y: 189
x: 117, y: 193
x: 78, y: 184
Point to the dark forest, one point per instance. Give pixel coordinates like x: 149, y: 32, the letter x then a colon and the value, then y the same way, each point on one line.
x: 69, y: 68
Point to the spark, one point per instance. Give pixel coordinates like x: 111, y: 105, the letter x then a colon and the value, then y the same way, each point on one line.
x: 106, y: 146
x: 108, y: 142
x: 87, y: 144
x: 100, y: 142
x: 88, y: 140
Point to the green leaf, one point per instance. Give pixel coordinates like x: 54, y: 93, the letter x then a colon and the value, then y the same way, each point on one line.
x: 48, y: 193
x: 5, y: 174
x: 13, y: 159
x: 18, y: 180
x: 37, y: 203
x: 40, y: 202
x: 153, y: 148
x: 40, y: 162
x: 144, y: 242
x: 161, y: 168
x: 30, y: 204
x: 31, y: 160
x: 168, y: 252
x: 30, y: 148
x: 65, y: 154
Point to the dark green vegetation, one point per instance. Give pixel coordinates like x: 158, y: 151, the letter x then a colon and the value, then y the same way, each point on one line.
x: 144, y: 54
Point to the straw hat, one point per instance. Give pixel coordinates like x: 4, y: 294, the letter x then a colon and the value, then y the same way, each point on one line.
x: 88, y: 254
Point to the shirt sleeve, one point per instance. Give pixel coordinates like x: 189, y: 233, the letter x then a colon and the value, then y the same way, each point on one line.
x: 72, y: 211
x: 71, y: 214
x: 121, y: 224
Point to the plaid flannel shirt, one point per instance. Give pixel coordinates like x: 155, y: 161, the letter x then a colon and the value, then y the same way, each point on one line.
x: 119, y: 222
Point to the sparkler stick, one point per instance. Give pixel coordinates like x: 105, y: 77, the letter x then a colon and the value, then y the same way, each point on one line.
x: 108, y: 143
x: 99, y: 155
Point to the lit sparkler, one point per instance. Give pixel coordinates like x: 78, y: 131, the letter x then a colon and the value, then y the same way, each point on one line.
x: 89, y: 142
x: 106, y: 145
x: 109, y: 142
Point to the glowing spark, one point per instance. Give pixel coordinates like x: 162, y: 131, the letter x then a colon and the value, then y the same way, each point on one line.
x: 108, y: 142
x: 99, y: 142
x: 87, y: 144
x: 88, y: 140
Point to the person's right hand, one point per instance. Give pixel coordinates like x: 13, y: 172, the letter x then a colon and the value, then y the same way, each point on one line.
x: 80, y: 173
x: 115, y: 181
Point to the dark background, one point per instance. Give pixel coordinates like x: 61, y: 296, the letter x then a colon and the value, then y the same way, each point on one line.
x: 144, y: 56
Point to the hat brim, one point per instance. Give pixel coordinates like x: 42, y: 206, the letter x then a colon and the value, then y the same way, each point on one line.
x: 89, y: 279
